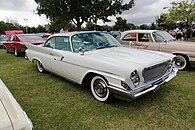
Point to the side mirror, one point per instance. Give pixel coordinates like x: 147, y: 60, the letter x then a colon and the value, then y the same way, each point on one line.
x: 165, y: 41
x: 81, y: 50
x: 131, y: 43
x: 48, y: 45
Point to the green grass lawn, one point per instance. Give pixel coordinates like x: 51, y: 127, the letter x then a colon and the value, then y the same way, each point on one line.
x: 54, y: 103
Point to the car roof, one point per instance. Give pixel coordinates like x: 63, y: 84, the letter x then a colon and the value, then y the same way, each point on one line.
x: 137, y: 31
x: 72, y: 33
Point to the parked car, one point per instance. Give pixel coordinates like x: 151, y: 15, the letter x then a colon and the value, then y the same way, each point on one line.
x: 160, y: 41
x: 12, y: 116
x: 3, y: 38
x: 43, y: 35
x: 172, y: 33
x: 98, y: 60
x: 16, y: 40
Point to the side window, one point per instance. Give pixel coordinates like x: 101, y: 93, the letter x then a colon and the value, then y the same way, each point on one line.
x: 13, y: 38
x: 76, y: 43
x: 130, y: 37
x: 59, y: 43
x: 157, y: 38
x: 143, y: 37
x: 50, y: 43
x: 62, y: 43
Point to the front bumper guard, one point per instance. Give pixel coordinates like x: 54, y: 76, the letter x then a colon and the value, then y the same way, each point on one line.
x: 152, y: 87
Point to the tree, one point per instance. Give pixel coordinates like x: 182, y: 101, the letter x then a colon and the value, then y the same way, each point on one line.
x: 163, y: 22
x: 183, y: 12
x: 144, y: 26
x: 80, y: 11
x: 120, y: 24
x: 8, y: 26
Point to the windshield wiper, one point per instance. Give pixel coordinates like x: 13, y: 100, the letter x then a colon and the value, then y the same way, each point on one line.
x: 101, y: 47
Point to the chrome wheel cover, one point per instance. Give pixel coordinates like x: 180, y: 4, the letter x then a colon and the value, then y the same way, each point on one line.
x: 180, y: 62
x: 99, y: 89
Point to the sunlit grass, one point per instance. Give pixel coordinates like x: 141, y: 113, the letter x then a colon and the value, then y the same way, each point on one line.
x: 54, y: 103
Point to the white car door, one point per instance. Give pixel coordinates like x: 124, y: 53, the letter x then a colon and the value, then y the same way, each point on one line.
x: 60, y: 56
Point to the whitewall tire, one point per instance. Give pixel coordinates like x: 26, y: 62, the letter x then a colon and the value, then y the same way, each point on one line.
x: 99, y: 89
x: 39, y: 66
x: 180, y: 62
x: 15, y: 52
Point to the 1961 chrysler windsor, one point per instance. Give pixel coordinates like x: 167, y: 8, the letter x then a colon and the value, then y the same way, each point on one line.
x: 12, y: 117
x: 98, y: 60
x: 159, y: 40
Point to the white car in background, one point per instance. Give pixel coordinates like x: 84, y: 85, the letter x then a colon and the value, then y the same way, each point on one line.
x: 12, y: 117
x: 98, y: 60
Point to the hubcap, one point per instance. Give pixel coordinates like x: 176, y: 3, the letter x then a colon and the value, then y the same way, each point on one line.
x: 40, y: 67
x: 180, y: 62
x: 100, y: 88
x: 15, y: 52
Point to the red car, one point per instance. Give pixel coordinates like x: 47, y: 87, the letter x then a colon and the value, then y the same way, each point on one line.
x: 16, y: 40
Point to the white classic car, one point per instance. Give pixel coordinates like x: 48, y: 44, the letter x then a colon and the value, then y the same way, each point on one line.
x: 12, y: 117
x: 98, y: 60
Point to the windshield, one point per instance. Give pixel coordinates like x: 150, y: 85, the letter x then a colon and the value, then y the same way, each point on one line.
x: 92, y: 41
x: 24, y: 37
x: 162, y: 36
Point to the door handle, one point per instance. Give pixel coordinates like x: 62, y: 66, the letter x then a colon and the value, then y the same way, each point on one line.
x: 51, y: 54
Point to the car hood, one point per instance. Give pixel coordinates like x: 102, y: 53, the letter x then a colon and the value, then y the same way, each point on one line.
x: 182, y: 43
x: 181, y: 46
x: 34, y: 41
x: 12, y: 110
x: 130, y: 57
x: 13, y: 32
x: 4, y: 118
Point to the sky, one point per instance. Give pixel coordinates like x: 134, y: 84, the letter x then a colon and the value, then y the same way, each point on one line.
x: 24, y: 12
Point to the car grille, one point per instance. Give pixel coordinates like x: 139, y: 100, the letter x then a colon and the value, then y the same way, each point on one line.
x: 156, y: 71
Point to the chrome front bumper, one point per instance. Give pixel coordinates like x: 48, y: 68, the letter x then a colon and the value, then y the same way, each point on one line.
x: 152, y: 87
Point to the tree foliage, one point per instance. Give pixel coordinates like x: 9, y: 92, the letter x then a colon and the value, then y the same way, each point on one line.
x: 181, y: 12
x: 80, y: 11
x: 162, y: 22
x: 122, y: 25
x: 4, y: 26
x: 8, y: 26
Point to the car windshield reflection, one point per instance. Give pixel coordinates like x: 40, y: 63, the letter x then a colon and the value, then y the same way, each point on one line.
x: 93, y: 41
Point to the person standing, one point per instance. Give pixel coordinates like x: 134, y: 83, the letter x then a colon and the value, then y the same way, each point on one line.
x: 189, y: 31
x: 64, y: 29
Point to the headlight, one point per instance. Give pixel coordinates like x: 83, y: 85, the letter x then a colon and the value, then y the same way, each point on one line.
x: 135, y: 78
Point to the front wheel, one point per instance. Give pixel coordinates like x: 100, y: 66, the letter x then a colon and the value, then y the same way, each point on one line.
x: 99, y: 89
x: 25, y: 56
x: 180, y: 62
x: 39, y: 66
x: 15, y: 52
